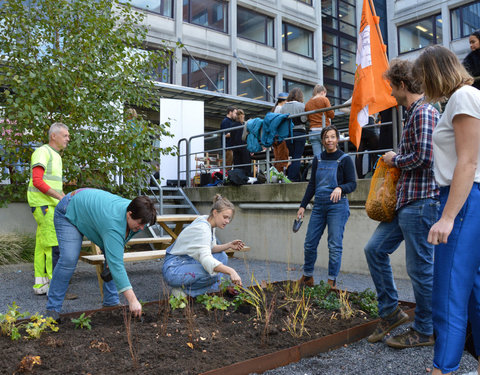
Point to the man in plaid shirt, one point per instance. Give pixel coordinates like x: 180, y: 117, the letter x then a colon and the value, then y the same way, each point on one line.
x: 416, y: 211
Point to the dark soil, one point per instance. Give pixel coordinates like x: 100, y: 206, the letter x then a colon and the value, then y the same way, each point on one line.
x: 186, y: 341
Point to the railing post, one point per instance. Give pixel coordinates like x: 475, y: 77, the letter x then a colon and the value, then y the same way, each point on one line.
x: 224, y: 155
x: 187, y: 165
x: 267, y: 164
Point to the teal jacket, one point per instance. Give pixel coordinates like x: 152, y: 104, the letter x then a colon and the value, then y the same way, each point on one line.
x: 102, y: 218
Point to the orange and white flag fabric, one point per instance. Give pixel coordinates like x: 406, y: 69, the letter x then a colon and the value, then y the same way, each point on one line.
x: 371, y: 92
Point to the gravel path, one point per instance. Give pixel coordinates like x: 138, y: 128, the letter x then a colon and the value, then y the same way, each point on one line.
x: 359, y: 358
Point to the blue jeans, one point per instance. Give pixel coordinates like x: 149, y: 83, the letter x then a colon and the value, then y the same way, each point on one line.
x: 335, y: 215
x: 295, y: 150
x: 456, y: 284
x: 69, y: 244
x: 316, y: 141
x: 182, y: 271
x: 412, y: 224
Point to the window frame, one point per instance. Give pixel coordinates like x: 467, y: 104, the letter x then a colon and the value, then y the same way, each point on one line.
x: 225, y: 7
x: 265, y: 34
x: 433, y: 18
x: 306, y: 2
x: 271, y: 95
x: 285, y: 40
x: 199, y: 59
x: 287, y: 81
x: 461, y: 23
x: 172, y: 2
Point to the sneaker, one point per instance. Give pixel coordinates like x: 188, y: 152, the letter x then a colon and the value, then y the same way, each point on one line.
x: 70, y: 296
x: 472, y: 373
x: 410, y: 339
x: 388, y: 323
x: 54, y: 315
x: 306, y: 281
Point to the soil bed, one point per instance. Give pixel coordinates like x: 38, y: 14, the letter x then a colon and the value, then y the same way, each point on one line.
x: 181, y: 341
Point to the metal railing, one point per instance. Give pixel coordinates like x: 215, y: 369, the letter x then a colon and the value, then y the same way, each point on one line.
x: 266, y: 163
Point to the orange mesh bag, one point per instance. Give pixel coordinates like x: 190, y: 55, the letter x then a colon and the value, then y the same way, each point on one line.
x: 382, y: 196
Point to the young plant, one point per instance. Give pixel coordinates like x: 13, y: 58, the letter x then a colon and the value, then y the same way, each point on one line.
x: 127, y: 319
x: 367, y: 301
x: 82, y: 322
x: 323, y: 296
x: 38, y: 324
x: 8, y: 322
x: 346, y: 311
x: 177, y: 302
x: 295, y: 322
x: 213, y: 302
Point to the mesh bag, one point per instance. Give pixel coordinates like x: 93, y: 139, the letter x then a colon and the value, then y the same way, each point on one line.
x: 382, y: 196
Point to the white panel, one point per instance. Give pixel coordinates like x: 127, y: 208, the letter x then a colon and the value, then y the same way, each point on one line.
x: 186, y: 119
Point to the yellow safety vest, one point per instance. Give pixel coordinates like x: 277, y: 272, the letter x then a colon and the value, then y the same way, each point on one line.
x: 51, y: 161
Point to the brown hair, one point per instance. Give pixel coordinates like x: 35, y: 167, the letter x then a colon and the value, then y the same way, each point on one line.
x: 240, y: 112
x: 402, y: 71
x: 142, y: 208
x: 318, y: 89
x: 326, y: 129
x: 221, y: 204
x: 440, y: 72
x: 295, y: 94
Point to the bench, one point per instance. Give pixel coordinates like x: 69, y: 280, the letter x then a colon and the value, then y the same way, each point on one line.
x: 97, y: 259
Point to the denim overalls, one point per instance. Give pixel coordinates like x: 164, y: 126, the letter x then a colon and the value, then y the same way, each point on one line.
x: 324, y: 213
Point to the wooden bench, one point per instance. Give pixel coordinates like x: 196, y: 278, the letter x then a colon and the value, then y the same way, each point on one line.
x: 97, y: 259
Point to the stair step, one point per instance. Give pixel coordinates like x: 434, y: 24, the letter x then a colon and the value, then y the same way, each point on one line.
x: 166, y: 197
x: 176, y: 206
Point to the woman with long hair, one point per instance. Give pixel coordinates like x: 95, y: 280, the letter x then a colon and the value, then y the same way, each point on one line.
x: 456, y: 151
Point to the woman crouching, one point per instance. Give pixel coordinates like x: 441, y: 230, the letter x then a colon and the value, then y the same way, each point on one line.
x: 193, y: 263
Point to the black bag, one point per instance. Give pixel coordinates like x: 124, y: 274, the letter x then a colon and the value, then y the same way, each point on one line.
x: 205, y: 176
x: 237, y: 177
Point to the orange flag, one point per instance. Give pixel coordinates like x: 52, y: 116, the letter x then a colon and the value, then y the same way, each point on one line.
x: 371, y: 92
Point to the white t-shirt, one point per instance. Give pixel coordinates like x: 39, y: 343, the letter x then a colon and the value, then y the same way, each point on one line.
x: 466, y: 101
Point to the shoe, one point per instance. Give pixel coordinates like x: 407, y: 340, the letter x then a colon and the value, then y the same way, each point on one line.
x: 41, y: 290
x: 306, y: 281
x: 332, y: 283
x: 472, y: 373
x: 114, y: 305
x: 70, y: 296
x: 54, y: 315
x: 178, y: 293
x: 410, y: 339
x: 388, y: 323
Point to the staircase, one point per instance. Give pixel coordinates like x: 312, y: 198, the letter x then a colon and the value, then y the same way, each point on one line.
x: 168, y: 200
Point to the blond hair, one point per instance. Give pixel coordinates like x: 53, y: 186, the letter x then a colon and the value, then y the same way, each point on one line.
x: 440, y: 72
x: 221, y: 204
x: 318, y: 89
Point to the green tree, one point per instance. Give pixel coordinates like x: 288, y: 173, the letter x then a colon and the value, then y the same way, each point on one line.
x: 78, y: 62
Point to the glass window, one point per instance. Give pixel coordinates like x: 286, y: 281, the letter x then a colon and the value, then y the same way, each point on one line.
x: 255, y: 26
x: 163, y: 7
x: 419, y: 34
x: 207, y: 13
x: 306, y: 89
x: 200, y: 74
x: 465, y: 20
x: 308, y: 2
x: 249, y: 87
x: 297, y: 40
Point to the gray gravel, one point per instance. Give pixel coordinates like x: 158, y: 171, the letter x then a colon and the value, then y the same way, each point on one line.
x: 359, y: 358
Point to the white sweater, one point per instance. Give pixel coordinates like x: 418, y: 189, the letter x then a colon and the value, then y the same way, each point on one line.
x: 197, y: 241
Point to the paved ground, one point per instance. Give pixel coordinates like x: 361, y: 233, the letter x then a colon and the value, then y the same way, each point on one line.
x: 146, y: 277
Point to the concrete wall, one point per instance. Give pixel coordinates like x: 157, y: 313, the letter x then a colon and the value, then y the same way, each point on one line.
x: 264, y: 216
x: 17, y: 217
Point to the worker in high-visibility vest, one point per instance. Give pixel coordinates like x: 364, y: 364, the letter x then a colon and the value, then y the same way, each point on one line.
x: 45, y: 190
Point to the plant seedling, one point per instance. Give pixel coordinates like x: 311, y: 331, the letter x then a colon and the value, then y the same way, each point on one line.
x: 82, y: 322
x: 213, y: 302
x: 177, y: 302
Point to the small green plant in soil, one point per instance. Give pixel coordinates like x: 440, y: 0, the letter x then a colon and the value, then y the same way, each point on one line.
x: 213, y: 302
x: 324, y: 296
x: 38, y: 324
x: 82, y: 322
x: 10, y: 325
x: 177, y: 302
x: 8, y: 321
x: 367, y: 301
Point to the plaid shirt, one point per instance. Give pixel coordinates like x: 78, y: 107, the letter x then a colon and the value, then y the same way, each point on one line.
x: 415, y: 154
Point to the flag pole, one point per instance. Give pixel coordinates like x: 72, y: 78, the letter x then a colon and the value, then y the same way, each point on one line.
x: 374, y: 13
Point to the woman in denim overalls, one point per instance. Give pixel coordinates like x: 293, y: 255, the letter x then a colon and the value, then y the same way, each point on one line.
x: 333, y: 176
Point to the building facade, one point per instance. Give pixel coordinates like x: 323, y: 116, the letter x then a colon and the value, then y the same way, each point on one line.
x: 256, y: 49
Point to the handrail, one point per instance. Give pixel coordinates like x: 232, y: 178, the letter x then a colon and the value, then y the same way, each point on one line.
x: 396, y: 119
